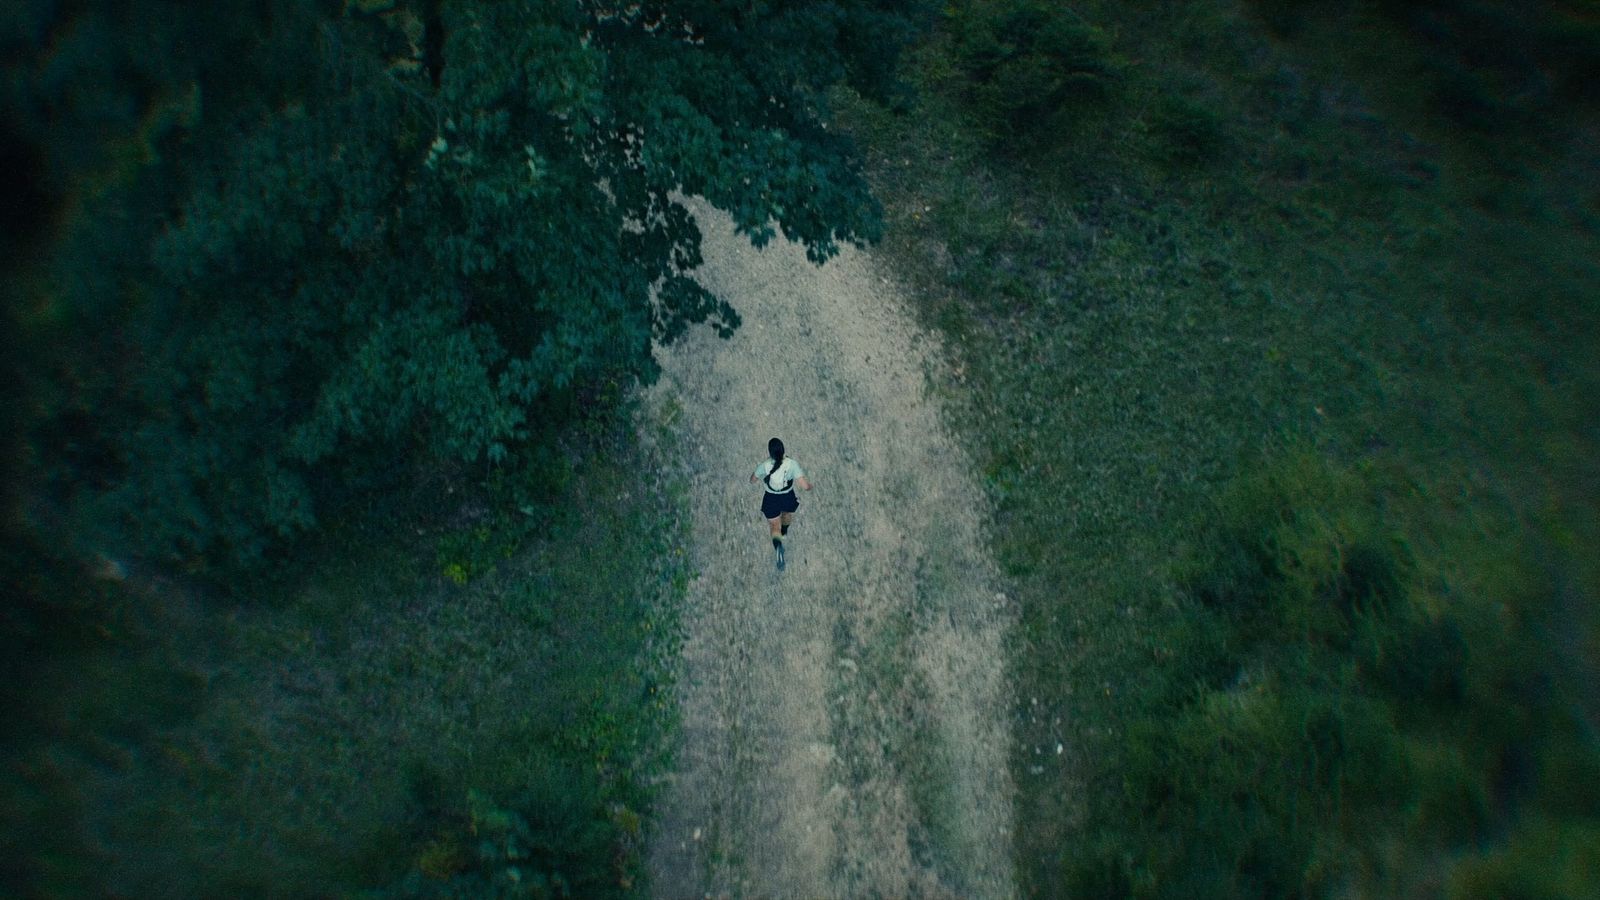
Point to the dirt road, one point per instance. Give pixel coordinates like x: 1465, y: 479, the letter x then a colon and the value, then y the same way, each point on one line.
x: 844, y: 723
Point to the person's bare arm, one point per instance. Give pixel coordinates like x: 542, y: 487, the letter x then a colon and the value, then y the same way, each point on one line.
x: 803, y: 482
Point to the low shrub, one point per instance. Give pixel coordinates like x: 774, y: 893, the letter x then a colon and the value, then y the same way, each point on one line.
x: 550, y: 841
x: 1551, y: 861
x: 1028, y: 66
x: 1320, y: 700
x: 1190, y: 132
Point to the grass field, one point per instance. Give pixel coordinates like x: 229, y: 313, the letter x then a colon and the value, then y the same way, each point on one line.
x: 1281, y: 382
x: 462, y: 692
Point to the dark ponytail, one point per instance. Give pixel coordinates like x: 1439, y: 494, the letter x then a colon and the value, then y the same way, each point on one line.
x: 775, y: 450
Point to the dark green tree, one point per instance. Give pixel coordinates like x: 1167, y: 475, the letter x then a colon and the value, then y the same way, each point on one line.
x: 364, y: 240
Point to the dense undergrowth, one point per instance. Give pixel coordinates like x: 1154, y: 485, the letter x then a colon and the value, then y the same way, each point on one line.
x: 1275, y: 357
x: 461, y: 693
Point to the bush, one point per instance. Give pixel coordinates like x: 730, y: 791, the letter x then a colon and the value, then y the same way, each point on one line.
x: 1028, y: 65
x: 555, y: 840
x: 1550, y: 860
x: 1323, y: 698
x: 1190, y: 132
x: 1284, y: 18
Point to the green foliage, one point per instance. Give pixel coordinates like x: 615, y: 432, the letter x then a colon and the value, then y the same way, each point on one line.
x: 1191, y: 132
x: 1314, y: 701
x: 550, y: 843
x: 370, y: 726
x: 396, y: 256
x: 1300, y: 557
x: 377, y: 276
x: 1355, y: 668
x: 1499, y: 66
x: 1265, y: 737
x: 464, y: 555
x: 1027, y: 66
x: 1546, y: 862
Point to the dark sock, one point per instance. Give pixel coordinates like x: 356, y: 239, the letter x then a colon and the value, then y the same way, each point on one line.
x: 776, y: 541
x: 786, y: 530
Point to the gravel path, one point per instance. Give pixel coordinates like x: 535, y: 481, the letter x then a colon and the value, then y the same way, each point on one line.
x: 844, y: 723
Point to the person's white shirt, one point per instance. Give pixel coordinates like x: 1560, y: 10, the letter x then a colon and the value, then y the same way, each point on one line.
x: 787, y: 474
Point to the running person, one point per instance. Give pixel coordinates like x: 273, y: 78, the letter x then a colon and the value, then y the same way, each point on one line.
x: 778, y: 476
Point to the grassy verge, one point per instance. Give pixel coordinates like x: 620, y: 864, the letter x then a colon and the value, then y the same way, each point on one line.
x: 1284, y: 407
x: 460, y: 693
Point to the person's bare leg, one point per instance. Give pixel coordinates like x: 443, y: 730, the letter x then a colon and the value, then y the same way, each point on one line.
x: 776, y: 527
x: 786, y: 520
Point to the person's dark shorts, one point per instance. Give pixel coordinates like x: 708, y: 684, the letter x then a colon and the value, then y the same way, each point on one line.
x: 775, y: 505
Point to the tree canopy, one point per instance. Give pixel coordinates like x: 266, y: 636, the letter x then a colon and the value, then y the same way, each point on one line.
x: 308, y: 247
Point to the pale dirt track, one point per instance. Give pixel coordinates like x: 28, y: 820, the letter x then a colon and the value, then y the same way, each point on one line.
x: 843, y: 724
